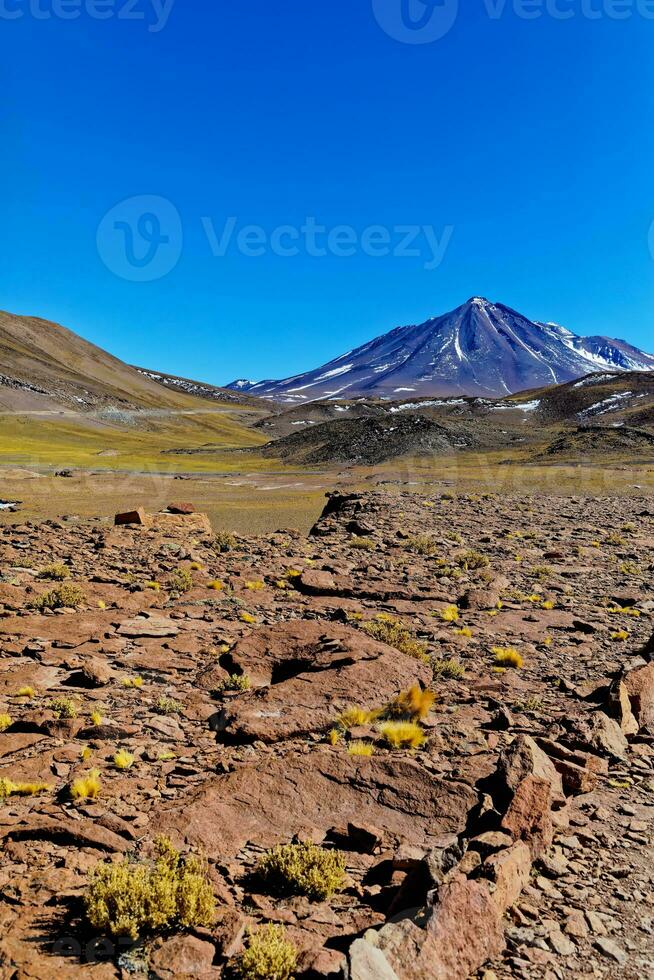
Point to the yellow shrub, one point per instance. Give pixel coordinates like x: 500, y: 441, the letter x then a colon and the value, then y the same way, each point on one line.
x: 620, y: 635
x: 26, y: 692
x: 5, y: 722
x: 412, y: 705
x: 123, y: 759
x: 247, y: 617
x: 155, y: 586
x: 96, y: 718
x: 9, y: 788
x: 255, y: 586
x: 464, y: 631
x: 268, y: 955
x: 334, y: 736
x: 216, y: 585
x: 422, y: 544
x: 507, y: 657
x: 362, y: 544
x: 354, y: 717
x: 303, y: 869
x: 402, y: 734
x: 86, y: 787
x: 449, y: 615
x: 135, y: 899
x: 132, y: 682
x: 359, y: 747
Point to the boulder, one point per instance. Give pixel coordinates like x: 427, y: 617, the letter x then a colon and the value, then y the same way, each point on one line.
x: 509, y: 870
x: 137, y: 516
x: 524, y: 758
x: 181, y: 508
x: 528, y: 817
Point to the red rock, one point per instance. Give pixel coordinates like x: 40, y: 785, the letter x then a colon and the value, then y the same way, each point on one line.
x: 640, y: 688
x: 181, y: 508
x: 524, y: 758
x: 462, y: 933
x: 277, y: 798
x: 528, y: 817
x: 137, y: 516
x: 509, y: 870
x: 183, y: 956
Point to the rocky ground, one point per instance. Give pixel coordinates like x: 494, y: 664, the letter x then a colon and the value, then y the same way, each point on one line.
x: 516, y: 841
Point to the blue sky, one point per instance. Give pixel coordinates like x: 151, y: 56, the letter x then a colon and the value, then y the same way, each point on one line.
x: 524, y: 145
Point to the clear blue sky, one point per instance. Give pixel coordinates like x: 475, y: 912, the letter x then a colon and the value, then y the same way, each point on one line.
x: 531, y: 138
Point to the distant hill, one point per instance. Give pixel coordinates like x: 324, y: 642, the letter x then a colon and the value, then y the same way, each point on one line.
x: 480, y: 348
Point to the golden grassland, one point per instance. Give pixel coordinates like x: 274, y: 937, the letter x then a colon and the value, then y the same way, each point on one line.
x: 119, y: 468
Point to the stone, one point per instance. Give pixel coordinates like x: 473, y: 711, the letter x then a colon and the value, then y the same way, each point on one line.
x: 528, y: 817
x: 152, y: 626
x: 183, y: 956
x: 181, y: 508
x: 509, y: 870
x: 524, y: 758
x: 618, y: 706
x: 137, y: 516
x: 639, y: 684
x: 367, y: 962
x: 611, y: 950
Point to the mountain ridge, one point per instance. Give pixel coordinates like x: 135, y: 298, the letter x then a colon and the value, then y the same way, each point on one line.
x: 480, y: 348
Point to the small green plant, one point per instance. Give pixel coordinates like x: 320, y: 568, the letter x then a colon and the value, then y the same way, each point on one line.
x: 421, y: 544
x: 396, y: 634
x: 629, y: 568
x: 471, y: 560
x: 168, y: 706
x: 57, y: 572
x: 268, y: 955
x: 63, y: 596
x: 235, y: 682
x: 64, y: 707
x: 140, y: 898
x: 303, y: 869
x: 181, y: 581
x: 362, y: 544
x: 402, y: 734
x: 451, y: 669
x: 224, y: 541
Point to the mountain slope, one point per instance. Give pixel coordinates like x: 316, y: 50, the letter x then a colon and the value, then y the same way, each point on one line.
x: 43, y: 365
x: 480, y: 348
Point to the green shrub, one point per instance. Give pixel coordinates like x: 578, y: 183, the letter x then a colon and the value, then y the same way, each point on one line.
x: 57, y: 572
x: 303, y: 869
x: 396, y: 634
x: 224, y: 541
x: 422, y: 544
x: 139, y: 898
x: 268, y: 955
x: 235, y: 682
x: 180, y: 581
x: 362, y: 544
x: 168, y: 706
x: 62, y: 596
x: 448, y: 668
x: 471, y: 560
x: 64, y: 707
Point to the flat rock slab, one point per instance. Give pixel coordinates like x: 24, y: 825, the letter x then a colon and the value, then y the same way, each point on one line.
x: 271, y: 801
x: 154, y: 626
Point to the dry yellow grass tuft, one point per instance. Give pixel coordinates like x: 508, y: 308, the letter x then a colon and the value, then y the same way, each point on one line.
x: 507, y: 657
x: 303, y: 869
x: 402, y: 734
x: 86, y: 787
